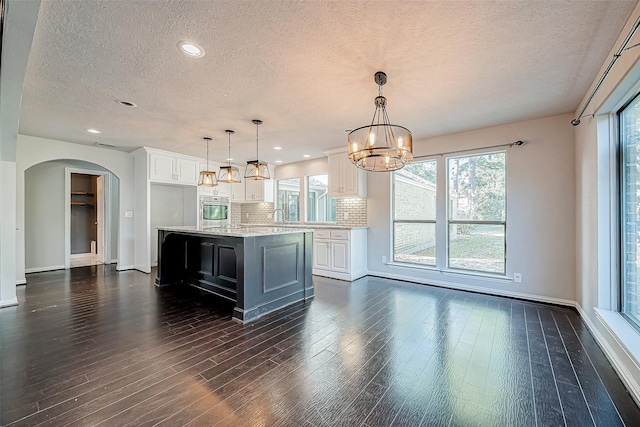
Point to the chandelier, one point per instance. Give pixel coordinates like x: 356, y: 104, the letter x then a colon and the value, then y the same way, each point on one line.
x: 380, y: 146
x: 255, y: 168
x: 229, y: 174
x: 207, y: 178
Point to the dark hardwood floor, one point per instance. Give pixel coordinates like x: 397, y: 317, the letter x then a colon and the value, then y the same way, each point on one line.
x: 91, y: 346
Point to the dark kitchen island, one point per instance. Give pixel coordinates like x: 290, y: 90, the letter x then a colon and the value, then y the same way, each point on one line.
x: 260, y: 268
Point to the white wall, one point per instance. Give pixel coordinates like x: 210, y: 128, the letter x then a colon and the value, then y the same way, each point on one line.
x: 540, y: 211
x: 44, y: 224
x: 302, y: 169
x: 19, y: 26
x: 596, y: 262
x: 171, y: 205
x: 32, y: 151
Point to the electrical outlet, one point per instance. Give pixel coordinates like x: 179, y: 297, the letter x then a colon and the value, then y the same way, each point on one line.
x: 128, y: 214
x: 346, y: 216
x: 384, y: 259
x: 517, y: 277
x: 247, y: 215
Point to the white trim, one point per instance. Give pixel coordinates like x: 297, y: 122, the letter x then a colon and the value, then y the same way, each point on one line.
x: 106, y: 206
x: 127, y: 267
x: 114, y: 261
x: 349, y: 277
x: 479, y: 289
x: 623, y: 373
x: 9, y: 302
x: 41, y: 269
x: 21, y: 282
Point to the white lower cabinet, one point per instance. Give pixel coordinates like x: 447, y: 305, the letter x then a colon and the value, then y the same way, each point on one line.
x: 340, y: 253
x: 321, y: 254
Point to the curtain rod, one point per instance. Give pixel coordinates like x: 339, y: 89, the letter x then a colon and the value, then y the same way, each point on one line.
x: 517, y: 143
x: 621, y: 49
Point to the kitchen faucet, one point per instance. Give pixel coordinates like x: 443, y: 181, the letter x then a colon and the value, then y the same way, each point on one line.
x: 275, y: 217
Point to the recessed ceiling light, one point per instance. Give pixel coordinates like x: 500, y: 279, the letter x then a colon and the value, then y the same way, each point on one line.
x: 126, y: 103
x: 278, y: 161
x: 93, y: 131
x: 277, y: 148
x: 229, y: 159
x: 191, y: 49
x: 306, y: 155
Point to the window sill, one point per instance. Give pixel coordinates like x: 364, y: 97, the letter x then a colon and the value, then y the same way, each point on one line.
x: 626, y: 335
x: 459, y: 273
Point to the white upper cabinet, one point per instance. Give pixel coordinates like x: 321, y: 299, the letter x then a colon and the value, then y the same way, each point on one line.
x: 222, y: 189
x: 172, y: 168
x: 236, y: 191
x: 345, y: 180
x: 259, y: 190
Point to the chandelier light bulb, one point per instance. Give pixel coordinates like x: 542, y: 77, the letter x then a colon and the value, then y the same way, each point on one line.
x: 372, y: 139
x: 400, y: 142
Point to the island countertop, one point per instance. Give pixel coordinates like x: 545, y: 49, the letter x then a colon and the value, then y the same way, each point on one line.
x: 251, y: 231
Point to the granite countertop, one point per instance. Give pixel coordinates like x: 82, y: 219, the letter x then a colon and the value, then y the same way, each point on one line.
x: 313, y: 226
x: 233, y: 231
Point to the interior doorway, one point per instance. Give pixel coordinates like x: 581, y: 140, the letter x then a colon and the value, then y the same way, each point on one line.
x: 87, y: 211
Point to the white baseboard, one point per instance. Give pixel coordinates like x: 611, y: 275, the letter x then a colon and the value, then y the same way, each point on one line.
x: 340, y: 276
x: 628, y: 380
x: 114, y: 261
x: 126, y: 267
x: 480, y: 289
x: 41, y: 269
x: 21, y: 282
x: 9, y: 302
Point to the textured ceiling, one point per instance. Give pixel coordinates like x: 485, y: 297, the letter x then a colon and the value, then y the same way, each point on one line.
x: 305, y: 68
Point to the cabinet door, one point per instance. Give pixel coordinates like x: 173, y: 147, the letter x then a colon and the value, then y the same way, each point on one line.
x: 340, y: 256
x: 321, y: 254
x: 187, y: 171
x: 254, y: 190
x: 335, y: 174
x: 236, y: 191
x: 162, y: 167
x: 350, y: 175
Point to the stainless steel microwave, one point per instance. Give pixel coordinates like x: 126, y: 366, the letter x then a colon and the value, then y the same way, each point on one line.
x: 215, y: 211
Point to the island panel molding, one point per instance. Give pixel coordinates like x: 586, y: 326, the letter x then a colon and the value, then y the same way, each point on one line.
x: 261, y: 269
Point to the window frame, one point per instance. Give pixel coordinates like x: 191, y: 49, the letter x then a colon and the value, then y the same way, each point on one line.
x: 433, y: 221
x: 620, y: 226
x: 306, y: 196
x: 442, y: 219
x: 450, y: 222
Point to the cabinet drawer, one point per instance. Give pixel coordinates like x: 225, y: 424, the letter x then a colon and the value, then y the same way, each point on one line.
x: 322, y: 234
x: 340, y: 234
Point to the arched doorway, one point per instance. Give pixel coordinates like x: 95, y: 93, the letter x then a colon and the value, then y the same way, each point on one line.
x: 60, y: 215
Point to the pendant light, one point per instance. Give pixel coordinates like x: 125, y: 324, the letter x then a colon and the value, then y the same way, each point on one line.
x: 380, y: 146
x: 255, y: 168
x: 229, y: 174
x: 207, y: 178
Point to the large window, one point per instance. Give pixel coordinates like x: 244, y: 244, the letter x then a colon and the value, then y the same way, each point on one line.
x: 414, y: 214
x: 630, y: 209
x: 320, y: 208
x: 288, y: 202
x: 465, y: 228
x: 477, y: 212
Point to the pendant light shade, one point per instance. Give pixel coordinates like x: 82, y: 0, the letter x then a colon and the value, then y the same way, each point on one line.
x: 380, y: 146
x: 255, y: 168
x: 229, y: 174
x: 207, y: 178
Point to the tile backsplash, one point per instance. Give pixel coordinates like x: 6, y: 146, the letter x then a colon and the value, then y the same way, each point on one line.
x: 260, y: 213
x: 257, y: 213
x: 355, y: 209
